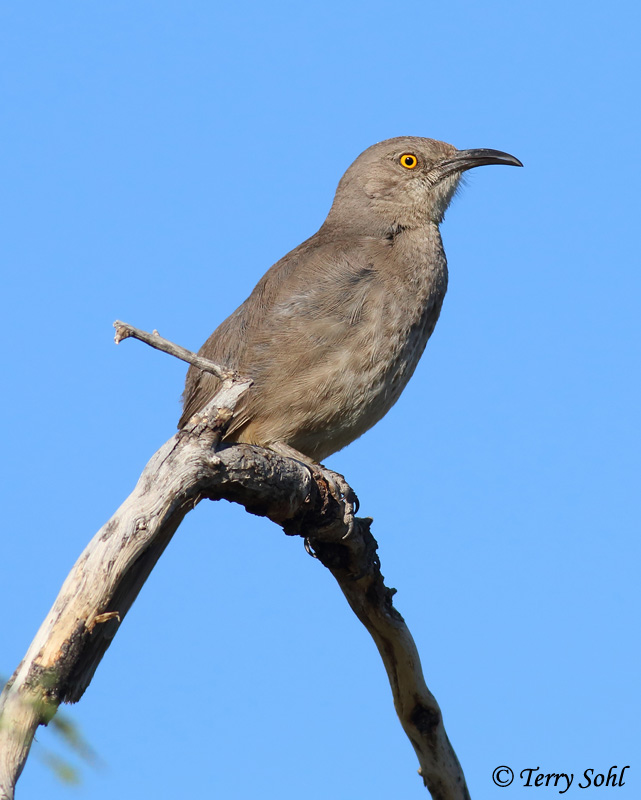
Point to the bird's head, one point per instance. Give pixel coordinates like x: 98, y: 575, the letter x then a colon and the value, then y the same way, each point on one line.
x: 405, y: 182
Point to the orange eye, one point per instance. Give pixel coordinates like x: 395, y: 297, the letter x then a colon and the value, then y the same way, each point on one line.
x: 408, y: 160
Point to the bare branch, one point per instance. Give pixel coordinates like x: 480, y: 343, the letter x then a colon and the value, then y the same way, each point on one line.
x: 114, y: 566
x: 359, y: 577
x: 154, y: 339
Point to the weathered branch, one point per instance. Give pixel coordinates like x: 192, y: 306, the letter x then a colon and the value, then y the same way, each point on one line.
x: 154, y: 339
x: 107, y: 577
x: 357, y: 570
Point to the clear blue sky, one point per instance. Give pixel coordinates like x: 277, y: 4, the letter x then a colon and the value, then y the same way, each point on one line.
x: 157, y: 157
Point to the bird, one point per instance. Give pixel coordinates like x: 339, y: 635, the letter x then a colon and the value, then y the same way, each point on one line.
x: 332, y: 332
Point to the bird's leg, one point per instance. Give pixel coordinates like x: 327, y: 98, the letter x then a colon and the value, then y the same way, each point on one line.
x: 341, y: 491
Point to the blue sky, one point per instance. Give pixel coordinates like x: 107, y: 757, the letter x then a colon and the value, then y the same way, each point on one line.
x: 157, y: 159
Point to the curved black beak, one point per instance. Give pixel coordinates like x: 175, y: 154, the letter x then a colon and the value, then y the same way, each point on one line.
x: 467, y: 159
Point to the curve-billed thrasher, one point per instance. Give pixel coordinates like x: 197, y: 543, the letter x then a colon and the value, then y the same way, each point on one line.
x: 333, y: 332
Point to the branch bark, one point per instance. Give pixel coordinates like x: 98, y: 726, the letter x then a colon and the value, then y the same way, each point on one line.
x: 106, y: 579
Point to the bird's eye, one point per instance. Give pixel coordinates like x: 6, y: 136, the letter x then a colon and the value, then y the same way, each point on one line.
x: 408, y: 160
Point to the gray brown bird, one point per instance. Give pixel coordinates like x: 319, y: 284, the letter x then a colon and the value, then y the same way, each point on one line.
x: 333, y: 332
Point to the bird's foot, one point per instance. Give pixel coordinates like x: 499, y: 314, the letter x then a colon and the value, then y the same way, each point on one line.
x: 343, y: 493
x: 340, y: 490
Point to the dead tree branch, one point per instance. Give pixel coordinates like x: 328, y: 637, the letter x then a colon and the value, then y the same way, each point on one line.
x: 154, y: 339
x: 106, y: 579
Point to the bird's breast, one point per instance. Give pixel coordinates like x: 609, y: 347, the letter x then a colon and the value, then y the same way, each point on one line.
x: 403, y: 313
x: 368, y: 370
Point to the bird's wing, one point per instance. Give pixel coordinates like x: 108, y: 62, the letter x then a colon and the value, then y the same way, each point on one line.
x: 304, y: 306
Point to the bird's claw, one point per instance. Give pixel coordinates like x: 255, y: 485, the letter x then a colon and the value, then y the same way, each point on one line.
x: 343, y: 493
